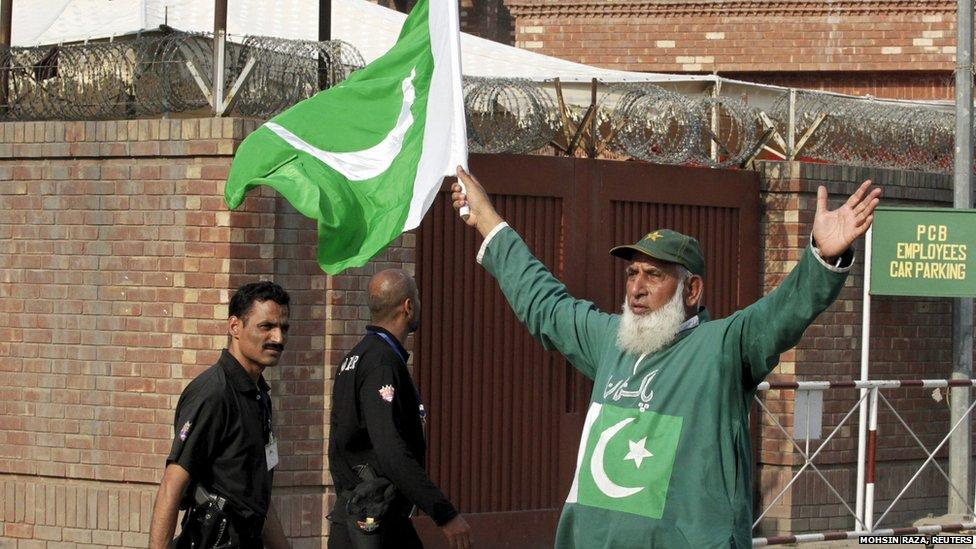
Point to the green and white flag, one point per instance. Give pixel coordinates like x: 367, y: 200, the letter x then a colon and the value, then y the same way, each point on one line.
x: 625, y: 460
x: 366, y: 158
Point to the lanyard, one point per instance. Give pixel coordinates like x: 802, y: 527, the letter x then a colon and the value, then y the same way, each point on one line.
x: 389, y: 341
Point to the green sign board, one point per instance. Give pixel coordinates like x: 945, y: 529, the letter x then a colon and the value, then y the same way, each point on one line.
x: 923, y: 252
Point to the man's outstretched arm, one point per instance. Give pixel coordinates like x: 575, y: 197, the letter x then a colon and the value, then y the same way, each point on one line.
x: 776, y: 322
x: 576, y: 328
x: 167, y: 506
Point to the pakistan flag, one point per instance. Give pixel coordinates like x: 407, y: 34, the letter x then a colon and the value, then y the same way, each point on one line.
x: 366, y: 158
x: 625, y: 460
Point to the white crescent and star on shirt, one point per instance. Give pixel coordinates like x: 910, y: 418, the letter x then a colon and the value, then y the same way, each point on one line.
x: 638, y: 452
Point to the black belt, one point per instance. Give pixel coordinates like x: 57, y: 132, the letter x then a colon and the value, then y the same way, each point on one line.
x: 400, y: 508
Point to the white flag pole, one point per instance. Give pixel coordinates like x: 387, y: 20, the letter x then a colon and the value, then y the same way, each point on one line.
x: 459, y: 130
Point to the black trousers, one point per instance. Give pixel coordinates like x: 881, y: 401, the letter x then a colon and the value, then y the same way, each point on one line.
x: 395, y: 534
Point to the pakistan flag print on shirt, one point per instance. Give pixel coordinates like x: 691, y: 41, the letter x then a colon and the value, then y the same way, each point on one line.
x: 625, y: 460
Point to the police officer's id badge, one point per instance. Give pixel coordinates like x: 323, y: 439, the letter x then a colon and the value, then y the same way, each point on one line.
x: 271, y: 452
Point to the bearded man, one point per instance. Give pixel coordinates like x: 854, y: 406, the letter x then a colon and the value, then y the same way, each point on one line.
x: 664, y: 458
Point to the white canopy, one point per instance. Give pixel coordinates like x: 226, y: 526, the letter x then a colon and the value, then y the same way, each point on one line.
x: 371, y: 28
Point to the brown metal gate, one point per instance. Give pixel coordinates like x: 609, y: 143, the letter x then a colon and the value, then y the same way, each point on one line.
x: 505, y: 415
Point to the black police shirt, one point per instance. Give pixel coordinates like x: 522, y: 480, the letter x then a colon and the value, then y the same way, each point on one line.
x: 377, y: 419
x: 223, y: 422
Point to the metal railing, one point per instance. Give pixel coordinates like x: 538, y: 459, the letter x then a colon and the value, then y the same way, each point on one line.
x: 864, y: 520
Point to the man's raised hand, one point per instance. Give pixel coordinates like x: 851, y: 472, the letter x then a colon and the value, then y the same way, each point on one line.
x: 835, y: 230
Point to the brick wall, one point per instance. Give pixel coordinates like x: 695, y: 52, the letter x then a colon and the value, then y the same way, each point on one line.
x: 921, y: 85
x: 910, y: 339
x: 489, y: 19
x: 485, y: 18
x: 877, y: 42
x: 117, y: 260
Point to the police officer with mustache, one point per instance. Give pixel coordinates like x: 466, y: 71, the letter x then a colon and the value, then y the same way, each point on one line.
x: 224, y: 453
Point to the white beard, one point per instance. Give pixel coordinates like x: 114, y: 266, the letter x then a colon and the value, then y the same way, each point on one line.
x: 649, y: 333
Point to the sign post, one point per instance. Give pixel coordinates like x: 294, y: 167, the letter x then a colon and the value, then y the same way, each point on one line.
x: 928, y: 252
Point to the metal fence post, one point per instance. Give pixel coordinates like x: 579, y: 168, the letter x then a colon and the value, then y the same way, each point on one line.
x: 6, y: 17
x: 325, y: 34
x: 960, y: 450
x: 862, y: 420
x: 791, y: 128
x: 220, y: 43
x: 872, y: 457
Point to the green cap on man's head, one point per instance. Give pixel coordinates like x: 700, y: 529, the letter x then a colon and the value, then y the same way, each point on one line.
x: 667, y: 245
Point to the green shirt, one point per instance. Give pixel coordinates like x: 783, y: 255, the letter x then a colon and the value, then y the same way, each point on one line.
x: 664, y: 458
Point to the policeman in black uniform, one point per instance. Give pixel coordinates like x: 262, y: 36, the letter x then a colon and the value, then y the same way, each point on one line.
x: 223, y: 457
x: 377, y: 431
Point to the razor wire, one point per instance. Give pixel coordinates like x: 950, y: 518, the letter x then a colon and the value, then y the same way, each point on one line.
x: 154, y: 74
x: 649, y: 123
x: 727, y: 131
x: 151, y: 75
x: 867, y: 132
x: 290, y: 71
x: 508, y: 115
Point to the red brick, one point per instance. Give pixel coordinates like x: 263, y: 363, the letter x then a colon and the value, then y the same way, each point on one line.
x: 767, y: 44
x: 18, y: 530
x: 121, y: 427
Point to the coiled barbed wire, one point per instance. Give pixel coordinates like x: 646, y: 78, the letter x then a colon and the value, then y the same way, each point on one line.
x: 648, y: 122
x: 867, y: 132
x: 726, y: 132
x: 508, y: 115
x: 52, y: 82
x: 163, y: 81
x: 148, y: 75
x: 293, y: 69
